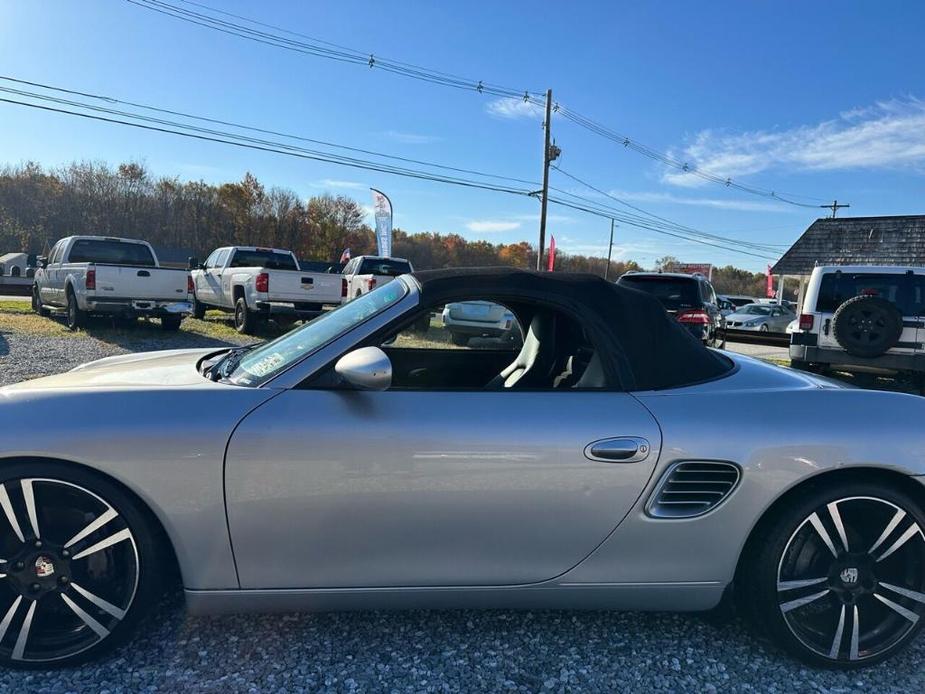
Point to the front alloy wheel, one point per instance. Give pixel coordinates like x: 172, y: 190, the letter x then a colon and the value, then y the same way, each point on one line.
x: 71, y: 570
x: 849, y: 585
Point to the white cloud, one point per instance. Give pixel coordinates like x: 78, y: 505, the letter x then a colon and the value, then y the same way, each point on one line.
x: 337, y: 183
x: 513, y: 108
x: 411, y: 138
x: 491, y: 225
x: 552, y: 218
x: 887, y: 135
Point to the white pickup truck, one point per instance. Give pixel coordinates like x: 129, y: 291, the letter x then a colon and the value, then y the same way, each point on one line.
x: 366, y: 272
x: 260, y: 283
x: 100, y: 275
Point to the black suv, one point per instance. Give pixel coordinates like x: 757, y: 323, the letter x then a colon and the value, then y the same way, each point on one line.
x: 689, y: 298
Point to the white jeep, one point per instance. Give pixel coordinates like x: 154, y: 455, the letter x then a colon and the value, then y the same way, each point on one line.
x: 864, y: 319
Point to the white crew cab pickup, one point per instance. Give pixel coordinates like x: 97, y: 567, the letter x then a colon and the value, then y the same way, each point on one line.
x: 366, y: 272
x: 260, y: 283
x: 101, y: 275
x: 863, y: 319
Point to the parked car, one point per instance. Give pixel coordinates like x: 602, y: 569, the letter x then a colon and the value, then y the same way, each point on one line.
x: 725, y: 305
x: 446, y: 477
x: 739, y: 300
x: 467, y: 319
x: 761, y: 317
x: 97, y: 275
x: 261, y: 283
x: 366, y: 272
x: 689, y: 298
x: 862, y: 319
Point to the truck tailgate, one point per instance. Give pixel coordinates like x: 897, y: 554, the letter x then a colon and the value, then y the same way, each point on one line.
x: 126, y: 282
x: 289, y: 286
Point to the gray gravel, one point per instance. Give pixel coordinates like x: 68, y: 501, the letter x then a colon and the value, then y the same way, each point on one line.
x: 455, y: 651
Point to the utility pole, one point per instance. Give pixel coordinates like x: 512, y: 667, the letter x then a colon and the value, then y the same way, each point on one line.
x: 835, y: 207
x: 550, y: 153
x: 609, y: 251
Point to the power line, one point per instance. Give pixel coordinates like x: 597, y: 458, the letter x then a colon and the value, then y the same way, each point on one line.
x: 608, y: 213
x: 657, y: 218
x: 229, y: 139
x: 309, y: 45
x: 250, y: 128
x: 163, y: 125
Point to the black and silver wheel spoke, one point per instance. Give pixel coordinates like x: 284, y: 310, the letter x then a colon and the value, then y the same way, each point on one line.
x: 851, y: 579
x: 69, y: 573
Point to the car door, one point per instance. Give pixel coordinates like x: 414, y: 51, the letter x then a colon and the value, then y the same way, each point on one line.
x: 431, y: 486
x: 47, y: 286
x: 213, y: 279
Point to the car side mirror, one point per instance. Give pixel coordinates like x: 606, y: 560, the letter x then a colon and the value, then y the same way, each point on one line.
x: 367, y: 368
x: 194, y: 263
x: 41, y: 261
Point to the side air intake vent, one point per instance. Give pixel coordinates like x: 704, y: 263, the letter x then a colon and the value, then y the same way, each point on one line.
x: 692, y: 488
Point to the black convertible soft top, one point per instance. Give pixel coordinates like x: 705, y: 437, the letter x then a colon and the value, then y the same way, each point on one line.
x: 641, y: 346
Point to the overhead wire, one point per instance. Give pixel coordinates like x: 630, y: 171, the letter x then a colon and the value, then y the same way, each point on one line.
x: 320, y: 48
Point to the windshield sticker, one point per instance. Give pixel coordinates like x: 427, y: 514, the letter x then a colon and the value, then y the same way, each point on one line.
x: 266, y: 365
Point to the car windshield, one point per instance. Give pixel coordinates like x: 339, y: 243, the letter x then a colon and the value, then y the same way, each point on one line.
x: 755, y: 310
x: 674, y: 292
x: 111, y: 251
x: 389, y: 267
x: 272, y: 260
x: 263, y: 363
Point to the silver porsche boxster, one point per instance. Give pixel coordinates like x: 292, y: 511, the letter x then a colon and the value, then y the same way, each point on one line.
x: 360, y: 463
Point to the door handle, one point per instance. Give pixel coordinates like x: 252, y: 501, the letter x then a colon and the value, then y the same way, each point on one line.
x: 144, y: 273
x: 624, y: 449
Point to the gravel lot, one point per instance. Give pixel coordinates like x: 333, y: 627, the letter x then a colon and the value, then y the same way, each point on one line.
x: 457, y: 651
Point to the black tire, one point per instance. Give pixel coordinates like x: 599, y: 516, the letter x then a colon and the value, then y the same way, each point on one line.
x: 37, y: 303
x: 807, y: 589
x: 284, y: 323
x: 422, y: 324
x: 867, y: 326
x: 459, y: 339
x: 76, y: 318
x: 171, y: 323
x: 199, y: 309
x: 800, y: 365
x: 245, y: 321
x: 47, y: 576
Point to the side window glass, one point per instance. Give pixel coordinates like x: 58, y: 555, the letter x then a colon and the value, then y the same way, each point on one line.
x: 210, y: 261
x: 55, y: 252
x: 463, y: 325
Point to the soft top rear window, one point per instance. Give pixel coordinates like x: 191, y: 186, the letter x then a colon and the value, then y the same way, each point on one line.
x: 384, y: 266
x: 673, y: 292
x: 904, y: 290
x: 260, y: 258
x: 111, y: 252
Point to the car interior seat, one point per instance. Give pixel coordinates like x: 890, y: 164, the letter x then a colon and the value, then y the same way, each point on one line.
x: 532, y: 367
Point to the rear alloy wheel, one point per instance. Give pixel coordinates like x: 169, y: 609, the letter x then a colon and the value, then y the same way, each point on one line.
x: 37, y: 303
x: 75, y: 317
x: 841, y: 582
x: 77, y: 567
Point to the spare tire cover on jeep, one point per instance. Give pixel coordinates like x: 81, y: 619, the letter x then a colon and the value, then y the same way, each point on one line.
x: 867, y: 326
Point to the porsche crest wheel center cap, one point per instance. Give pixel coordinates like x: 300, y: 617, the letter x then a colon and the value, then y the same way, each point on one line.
x: 44, y: 567
x: 849, y: 576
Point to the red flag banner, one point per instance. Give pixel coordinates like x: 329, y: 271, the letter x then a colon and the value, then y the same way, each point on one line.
x: 769, y: 291
x: 551, y: 260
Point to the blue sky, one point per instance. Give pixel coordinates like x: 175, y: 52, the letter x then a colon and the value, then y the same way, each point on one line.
x: 815, y: 99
